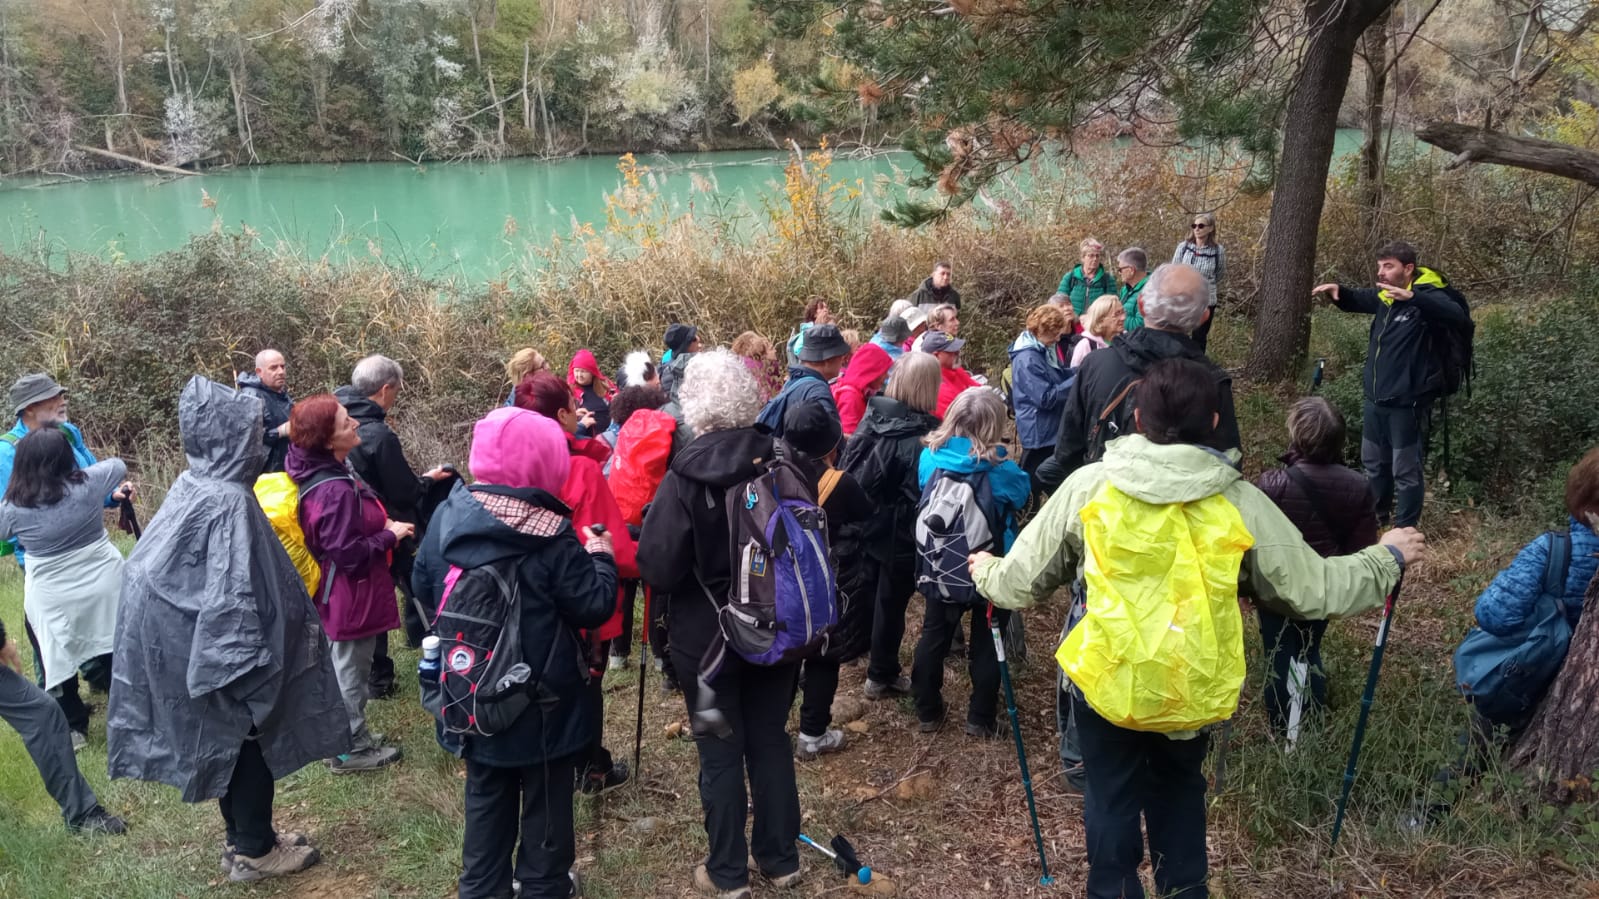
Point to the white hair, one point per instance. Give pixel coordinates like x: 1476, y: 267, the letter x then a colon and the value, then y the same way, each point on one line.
x: 375, y: 373
x: 1175, y: 299
x: 634, y: 368
x: 898, y: 306
x: 719, y: 393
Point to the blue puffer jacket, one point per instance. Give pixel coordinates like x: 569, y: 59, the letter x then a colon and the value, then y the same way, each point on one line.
x: 1502, y: 609
x: 1038, y: 391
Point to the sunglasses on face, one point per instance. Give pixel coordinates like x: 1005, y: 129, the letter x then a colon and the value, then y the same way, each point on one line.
x: 1199, y: 225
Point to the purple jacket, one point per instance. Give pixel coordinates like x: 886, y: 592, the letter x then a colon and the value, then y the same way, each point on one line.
x: 343, y: 523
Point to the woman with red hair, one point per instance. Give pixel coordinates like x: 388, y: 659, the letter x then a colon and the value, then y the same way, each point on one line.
x: 588, y: 495
x: 351, y: 537
x: 584, y: 378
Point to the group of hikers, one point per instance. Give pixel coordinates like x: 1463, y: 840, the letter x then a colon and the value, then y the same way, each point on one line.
x: 774, y: 521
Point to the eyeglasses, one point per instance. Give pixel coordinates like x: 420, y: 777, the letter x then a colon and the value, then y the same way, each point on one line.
x: 1198, y: 225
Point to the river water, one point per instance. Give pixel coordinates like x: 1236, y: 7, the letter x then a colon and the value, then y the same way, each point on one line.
x: 471, y: 221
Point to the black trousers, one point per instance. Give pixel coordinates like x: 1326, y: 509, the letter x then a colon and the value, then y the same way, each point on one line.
x: 895, y: 584
x: 1296, y: 676
x: 660, y: 631
x: 1201, y: 334
x: 623, y: 645
x: 534, y: 802
x: 755, y: 701
x: 247, y: 805
x: 66, y: 693
x: 939, y: 625
x: 816, y: 696
x: 1393, y: 447
x: 596, y: 759
x: 1131, y: 774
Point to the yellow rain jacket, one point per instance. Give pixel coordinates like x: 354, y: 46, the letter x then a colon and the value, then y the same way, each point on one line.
x: 279, y: 497
x: 1155, y: 531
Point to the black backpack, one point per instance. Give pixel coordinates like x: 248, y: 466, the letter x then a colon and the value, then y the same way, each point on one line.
x: 485, y: 682
x: 1450, y: 344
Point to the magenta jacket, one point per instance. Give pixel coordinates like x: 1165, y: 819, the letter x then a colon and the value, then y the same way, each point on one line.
x: 343, y: 523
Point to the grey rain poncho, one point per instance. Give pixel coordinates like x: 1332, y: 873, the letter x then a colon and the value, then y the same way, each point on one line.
x: 215, y: 632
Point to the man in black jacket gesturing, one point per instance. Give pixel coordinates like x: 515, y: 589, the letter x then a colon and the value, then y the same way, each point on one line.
x: 1402, y: 377
x: 374, y: 386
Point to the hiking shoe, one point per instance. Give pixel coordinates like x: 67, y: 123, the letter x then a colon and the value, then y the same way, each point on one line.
x: 933, y: 724
x: 703, y: 883
x: 380, y: 690
x: 281, y: 861
x: 369, y: 759
x: 79, y: 740
x: 781, y: 881
x: 595, y: 783
x: 577, y: 885
x: 1076, y: 778
x: 809, y: 747
x: 876, y: 690
x: 98, y: 820
x: 285, y: 838
x: 669, y: 684
x: 985, y: 732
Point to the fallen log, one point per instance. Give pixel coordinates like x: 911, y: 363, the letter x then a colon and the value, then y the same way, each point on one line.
x: 134, y: 160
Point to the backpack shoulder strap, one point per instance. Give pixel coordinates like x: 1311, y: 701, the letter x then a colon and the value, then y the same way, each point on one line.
x: 829, y: 482
x: 1317, y: 503
x: 9, y: 438
x: 1104, y: 415
x: 1558, y: 565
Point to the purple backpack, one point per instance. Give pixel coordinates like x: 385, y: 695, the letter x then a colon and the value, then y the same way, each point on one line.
x: 783, y: 599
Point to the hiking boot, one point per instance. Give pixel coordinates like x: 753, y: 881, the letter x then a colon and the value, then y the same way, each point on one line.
x: 383, y: 689
x: 369, y: 759
x: 809, y: 747
x: 577, y: 885
x: 79, y: 740
x: 285, y: 838
x: 781, y: 881
x: 933, y: 724
x: 876, y: 690
x: 100, y: 821
x: 703, y: 883
x: 282, y: 860
x: 985, y: 731
x: 595, y: 783
x: 669, y: 684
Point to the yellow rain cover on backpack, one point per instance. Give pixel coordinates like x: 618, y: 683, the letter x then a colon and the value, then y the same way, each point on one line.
x: 279, y: 497
x: 1161, y: 647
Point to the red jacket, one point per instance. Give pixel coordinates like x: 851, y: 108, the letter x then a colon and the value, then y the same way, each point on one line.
x: 866, y: 370
x: 590, y: 499
x: 955, y: 381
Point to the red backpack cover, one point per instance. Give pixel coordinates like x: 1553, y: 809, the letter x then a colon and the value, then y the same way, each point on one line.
x: 638, y: 465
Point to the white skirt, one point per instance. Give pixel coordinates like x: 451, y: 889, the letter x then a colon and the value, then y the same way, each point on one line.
x: 71, y: 602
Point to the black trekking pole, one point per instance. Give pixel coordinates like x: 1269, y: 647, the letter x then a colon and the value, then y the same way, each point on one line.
x: 1021, y: 752
x: 1365, y: 707
x: 643, y: 665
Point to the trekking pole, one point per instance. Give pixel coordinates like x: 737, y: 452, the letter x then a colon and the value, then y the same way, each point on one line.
x: 1365, y: 707
x: 643, y: 665
x: 1021, y: 752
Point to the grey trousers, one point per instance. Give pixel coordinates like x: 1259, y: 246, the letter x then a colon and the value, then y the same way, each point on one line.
x: 352, y: 662
x: 38, y: 719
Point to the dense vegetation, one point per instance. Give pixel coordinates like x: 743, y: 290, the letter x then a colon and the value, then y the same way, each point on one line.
x: 291, y: 80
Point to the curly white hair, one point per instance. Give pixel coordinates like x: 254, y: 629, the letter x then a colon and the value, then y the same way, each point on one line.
x: 719, y: 393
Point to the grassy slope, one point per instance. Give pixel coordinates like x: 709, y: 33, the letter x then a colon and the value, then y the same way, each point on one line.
x: 942, y: 815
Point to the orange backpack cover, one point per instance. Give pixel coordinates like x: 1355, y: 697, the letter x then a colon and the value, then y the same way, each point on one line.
x: 638, y: 465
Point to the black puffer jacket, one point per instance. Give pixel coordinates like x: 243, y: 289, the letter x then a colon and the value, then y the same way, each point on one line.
x: 274, y: 412
x: 1103, y: 376
x: 1345, y: 519
x: 564, y: 588
x: 882, y: 457
x: 684, y: 549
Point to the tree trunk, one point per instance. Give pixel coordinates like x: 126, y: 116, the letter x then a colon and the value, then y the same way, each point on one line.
x: 1561, y: 747
x: 1476, y: 145
x: 241, y: 114
x: 527, y: 105
x: 1282, y: 327
x: 1371, y: 148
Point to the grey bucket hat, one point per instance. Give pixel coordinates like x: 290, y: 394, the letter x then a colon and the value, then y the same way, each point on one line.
x: 33, y: 388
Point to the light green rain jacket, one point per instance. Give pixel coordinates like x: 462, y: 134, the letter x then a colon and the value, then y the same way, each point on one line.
x: 1281, y: 571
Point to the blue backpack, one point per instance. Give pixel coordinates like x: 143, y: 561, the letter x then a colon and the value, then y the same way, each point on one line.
x: 1505, y: 677
x: 783, y: 599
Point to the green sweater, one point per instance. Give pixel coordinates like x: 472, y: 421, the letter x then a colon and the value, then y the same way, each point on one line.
x: 1129, y: 294
x: 1084, y: 290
